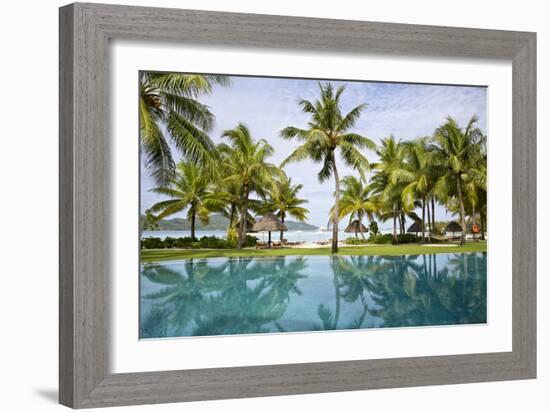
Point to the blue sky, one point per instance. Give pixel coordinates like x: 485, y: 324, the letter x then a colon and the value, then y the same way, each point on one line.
x: 267, y: 105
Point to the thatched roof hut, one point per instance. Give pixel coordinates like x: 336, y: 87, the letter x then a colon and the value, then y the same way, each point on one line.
x: 415, y: 228
x: 249, y: 227
x: 269, y: 223
x: 453, y: 227
x: 356, y: 227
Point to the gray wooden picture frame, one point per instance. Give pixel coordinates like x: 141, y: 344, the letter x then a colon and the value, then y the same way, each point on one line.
x: 85, y: 31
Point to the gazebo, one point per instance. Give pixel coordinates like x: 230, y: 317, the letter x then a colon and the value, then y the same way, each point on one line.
x: 269, y: 223
x: 356, y: 227
x: 453, y: 227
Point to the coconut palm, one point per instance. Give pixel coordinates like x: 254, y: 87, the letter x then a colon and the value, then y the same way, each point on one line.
x: 356, y: 201
x: 327, y: 132
x: 388, y: 191
x: 415, y: 172
x: 283, y: 200
x: 169, y: 113
x: 245, y: 163
x: 189, y: 189
x: 458, y: 153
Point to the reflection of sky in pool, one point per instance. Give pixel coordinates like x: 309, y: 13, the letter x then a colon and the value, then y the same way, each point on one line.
x: 225, y: 296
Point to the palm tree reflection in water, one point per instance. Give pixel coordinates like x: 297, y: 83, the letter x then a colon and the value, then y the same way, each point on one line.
x: 296, y: 293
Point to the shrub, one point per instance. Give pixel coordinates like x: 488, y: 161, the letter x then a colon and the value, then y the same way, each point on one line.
x: 151, y: 243
x: 356, y: 241
x: 250, y: 241
x: 381, y: 239
x: 205, y: 242
x: 408, y: 238
x: 387, y: 239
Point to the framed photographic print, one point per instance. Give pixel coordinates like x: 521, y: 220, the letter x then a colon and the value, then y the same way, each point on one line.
x: 257, y: 205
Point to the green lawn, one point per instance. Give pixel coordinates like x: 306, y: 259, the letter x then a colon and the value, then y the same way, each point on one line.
x: 156, y: 255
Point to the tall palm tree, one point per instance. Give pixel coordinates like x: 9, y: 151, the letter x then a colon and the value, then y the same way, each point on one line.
x: 169, y: 112
x: 356, y: 201
x: 283, y: 200
x: 416, y: 174
x: 388, y: 191
x: 328, y: 130
x: 245, y: 162
x: 458, y: 152
x: 190, y: 188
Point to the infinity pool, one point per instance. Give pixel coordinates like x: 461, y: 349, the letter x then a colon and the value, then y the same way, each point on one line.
x: 227, y: 296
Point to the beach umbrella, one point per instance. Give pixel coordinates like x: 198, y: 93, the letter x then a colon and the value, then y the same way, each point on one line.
x: 321, y: 230
x: 299, y: 232
x: 269, y: 223
x: 356, y: 227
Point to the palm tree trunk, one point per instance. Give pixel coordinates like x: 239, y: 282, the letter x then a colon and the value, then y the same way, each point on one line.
x: 482, y: 222
x: 402, y: 219
x: 428, y: 216
x: 231, y: 218
x: 283, y: 222
x: 336, y: 211
x: 244, y: 209
x: 474, y: 222
x: 433, y: 213
x: 462, y: 212
x: 394, y: 225
x: 193, y: 214
x: 361, y: 227
x: 423, y: 220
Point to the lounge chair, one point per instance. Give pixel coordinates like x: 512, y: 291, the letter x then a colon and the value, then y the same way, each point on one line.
x: 276, y: 244
x: 261, y: 245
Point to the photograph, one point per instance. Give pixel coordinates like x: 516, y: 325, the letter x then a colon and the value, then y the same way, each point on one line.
x: 280, y: 205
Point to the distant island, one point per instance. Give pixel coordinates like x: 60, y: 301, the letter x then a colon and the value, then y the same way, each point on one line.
x: 217, y: 222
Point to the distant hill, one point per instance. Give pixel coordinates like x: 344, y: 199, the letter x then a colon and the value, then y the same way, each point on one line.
x: 218, y: 222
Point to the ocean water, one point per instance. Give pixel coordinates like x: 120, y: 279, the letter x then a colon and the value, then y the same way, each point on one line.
x: 291, y: 235
x: 231, y: 296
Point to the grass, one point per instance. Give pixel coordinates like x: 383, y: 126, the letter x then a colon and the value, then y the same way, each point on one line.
x: 156, y: 255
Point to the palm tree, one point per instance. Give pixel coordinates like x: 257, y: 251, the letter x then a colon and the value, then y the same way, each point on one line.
x: 356, y: 201
x: 190, y: 188
x: 458, y: 152
x: 415, y: 172
x: 328, y: 130
x: 283, y: 200
x: 169, y: 112
x: 388, y: 191
x: 245, y: 162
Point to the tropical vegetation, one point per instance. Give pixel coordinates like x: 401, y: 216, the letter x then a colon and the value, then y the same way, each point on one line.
x: 328, y: 135
x: 238, y: 179
x: 170, y: 113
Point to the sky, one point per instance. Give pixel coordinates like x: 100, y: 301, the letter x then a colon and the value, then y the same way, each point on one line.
x: 267, y: 105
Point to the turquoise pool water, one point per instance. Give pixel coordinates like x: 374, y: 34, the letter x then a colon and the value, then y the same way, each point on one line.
x: 227, y: 296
